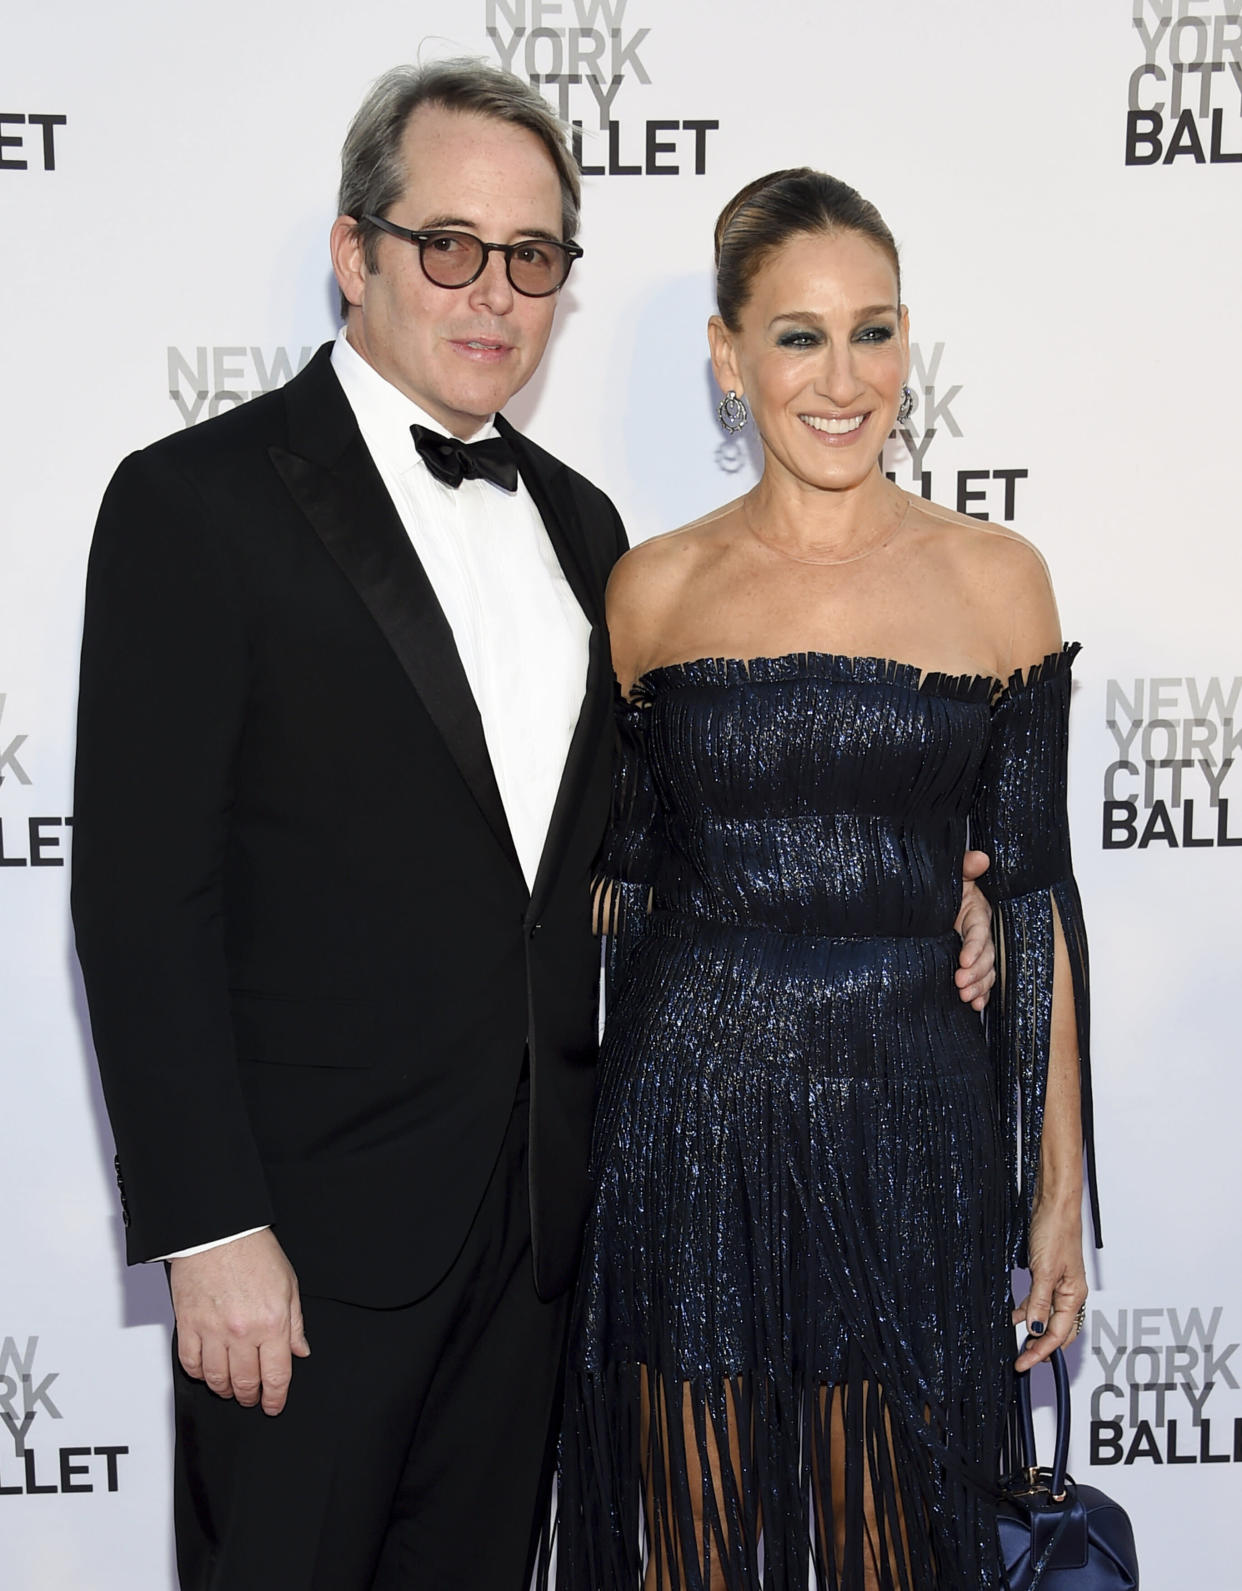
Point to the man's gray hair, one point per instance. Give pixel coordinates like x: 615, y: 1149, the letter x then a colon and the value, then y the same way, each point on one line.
x: 373, y: 174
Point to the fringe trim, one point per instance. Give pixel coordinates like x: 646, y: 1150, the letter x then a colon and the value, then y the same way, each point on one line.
x: 629, y: 859
x: 1019, y: 818
x: 1055, y: 666
x: 1020, y: 1036
x: 729, y: 671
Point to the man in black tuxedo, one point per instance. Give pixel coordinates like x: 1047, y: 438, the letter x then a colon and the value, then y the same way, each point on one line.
x: 343, y: 767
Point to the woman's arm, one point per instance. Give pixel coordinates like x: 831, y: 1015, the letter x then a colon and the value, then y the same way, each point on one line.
x: 1039, y: 1028
x: 1054, y: 1245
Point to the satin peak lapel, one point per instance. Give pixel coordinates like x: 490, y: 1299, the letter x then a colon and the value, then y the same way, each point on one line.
x: 556, y: 510
x: 589, y: 732
x: 350, y: 511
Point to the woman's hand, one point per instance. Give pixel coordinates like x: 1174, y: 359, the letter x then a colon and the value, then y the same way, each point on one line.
x: 1058, y: 1278
x: 976, y: 966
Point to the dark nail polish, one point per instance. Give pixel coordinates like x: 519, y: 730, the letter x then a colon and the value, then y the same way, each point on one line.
x: 1035, y: 1327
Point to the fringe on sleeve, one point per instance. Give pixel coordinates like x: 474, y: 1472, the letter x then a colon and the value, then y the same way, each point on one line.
x: 1019, y: 817
x: 626, y: 868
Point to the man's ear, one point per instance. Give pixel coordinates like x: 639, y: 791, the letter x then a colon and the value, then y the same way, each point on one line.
x: 348, y: 263
x: 724, y: 358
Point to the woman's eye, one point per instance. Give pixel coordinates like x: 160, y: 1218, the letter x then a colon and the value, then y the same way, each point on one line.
x: 798, y: 339
x: 876, y: 334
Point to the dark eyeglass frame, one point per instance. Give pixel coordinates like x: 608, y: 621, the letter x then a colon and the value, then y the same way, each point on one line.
x: 571, y: 251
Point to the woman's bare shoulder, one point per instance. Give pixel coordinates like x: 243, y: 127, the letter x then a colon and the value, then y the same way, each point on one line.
x: 649, y: 586
x: 995, y: 551
x: 654, y: 571
x: 1004, y: 578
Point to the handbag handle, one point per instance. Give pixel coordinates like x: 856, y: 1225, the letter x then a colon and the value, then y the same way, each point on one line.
x: 1026, y: 1423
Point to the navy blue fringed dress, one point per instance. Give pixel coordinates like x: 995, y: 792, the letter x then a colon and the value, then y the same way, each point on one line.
x: 813, y: 1164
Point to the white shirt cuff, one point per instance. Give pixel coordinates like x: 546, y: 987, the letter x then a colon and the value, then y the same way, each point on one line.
x: 201, y: 1248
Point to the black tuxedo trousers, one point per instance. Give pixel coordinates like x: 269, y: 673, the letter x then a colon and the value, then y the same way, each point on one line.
x: 415, y: 1450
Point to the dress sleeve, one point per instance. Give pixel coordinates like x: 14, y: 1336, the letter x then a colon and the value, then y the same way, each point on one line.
x: 628, y: 860
x: 1019, y: 818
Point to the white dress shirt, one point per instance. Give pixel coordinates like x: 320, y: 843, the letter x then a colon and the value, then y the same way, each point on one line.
x: 520, y: 632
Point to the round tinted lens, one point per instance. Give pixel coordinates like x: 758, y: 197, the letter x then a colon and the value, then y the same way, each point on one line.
x: 450, y: 259
x: 536, y: 267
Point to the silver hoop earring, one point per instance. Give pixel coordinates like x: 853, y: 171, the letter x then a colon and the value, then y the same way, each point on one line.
x: 906, y: 408
x: 732, y: 411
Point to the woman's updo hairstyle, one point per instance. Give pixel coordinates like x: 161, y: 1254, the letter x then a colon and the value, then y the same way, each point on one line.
x: 769, y: 211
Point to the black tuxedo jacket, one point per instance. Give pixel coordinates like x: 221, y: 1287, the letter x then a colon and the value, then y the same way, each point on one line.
x: 312, y: 961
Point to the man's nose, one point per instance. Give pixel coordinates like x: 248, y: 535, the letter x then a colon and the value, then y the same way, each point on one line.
x: 492, y: 288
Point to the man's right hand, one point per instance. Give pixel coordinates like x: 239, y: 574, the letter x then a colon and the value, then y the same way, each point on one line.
x: 239, y: 1319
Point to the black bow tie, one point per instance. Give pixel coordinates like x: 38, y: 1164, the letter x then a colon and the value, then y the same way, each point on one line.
x: 452, y: 461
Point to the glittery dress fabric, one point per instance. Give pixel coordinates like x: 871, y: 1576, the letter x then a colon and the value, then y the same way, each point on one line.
x: 813, y: 1164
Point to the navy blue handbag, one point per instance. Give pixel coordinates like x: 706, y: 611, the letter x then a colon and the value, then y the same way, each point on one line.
x: 1055, y: 1535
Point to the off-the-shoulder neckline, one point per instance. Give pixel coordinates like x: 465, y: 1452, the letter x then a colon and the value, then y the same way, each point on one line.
x: 763, y: 670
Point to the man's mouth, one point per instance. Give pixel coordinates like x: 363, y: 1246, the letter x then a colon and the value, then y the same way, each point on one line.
x: 483, y: 350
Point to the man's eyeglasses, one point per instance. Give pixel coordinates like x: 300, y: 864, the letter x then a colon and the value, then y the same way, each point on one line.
x: 535, y: 266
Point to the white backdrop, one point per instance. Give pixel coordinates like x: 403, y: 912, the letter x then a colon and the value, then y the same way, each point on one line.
x: 1063, y: 178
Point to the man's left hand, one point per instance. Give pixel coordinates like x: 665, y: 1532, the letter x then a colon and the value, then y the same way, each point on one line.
x: 976, y: 966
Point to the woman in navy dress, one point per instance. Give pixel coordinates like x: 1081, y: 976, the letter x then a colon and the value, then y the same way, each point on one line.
x: 792, y: 1350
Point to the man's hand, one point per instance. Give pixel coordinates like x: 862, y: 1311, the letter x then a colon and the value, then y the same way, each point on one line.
x: 976, y: 966
x: 239, y: 1319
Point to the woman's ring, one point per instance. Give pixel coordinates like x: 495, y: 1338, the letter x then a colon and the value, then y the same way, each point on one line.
x: 1080, y: 1319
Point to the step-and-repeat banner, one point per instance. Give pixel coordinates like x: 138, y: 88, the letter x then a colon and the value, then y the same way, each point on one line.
x: 1064, y: 180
